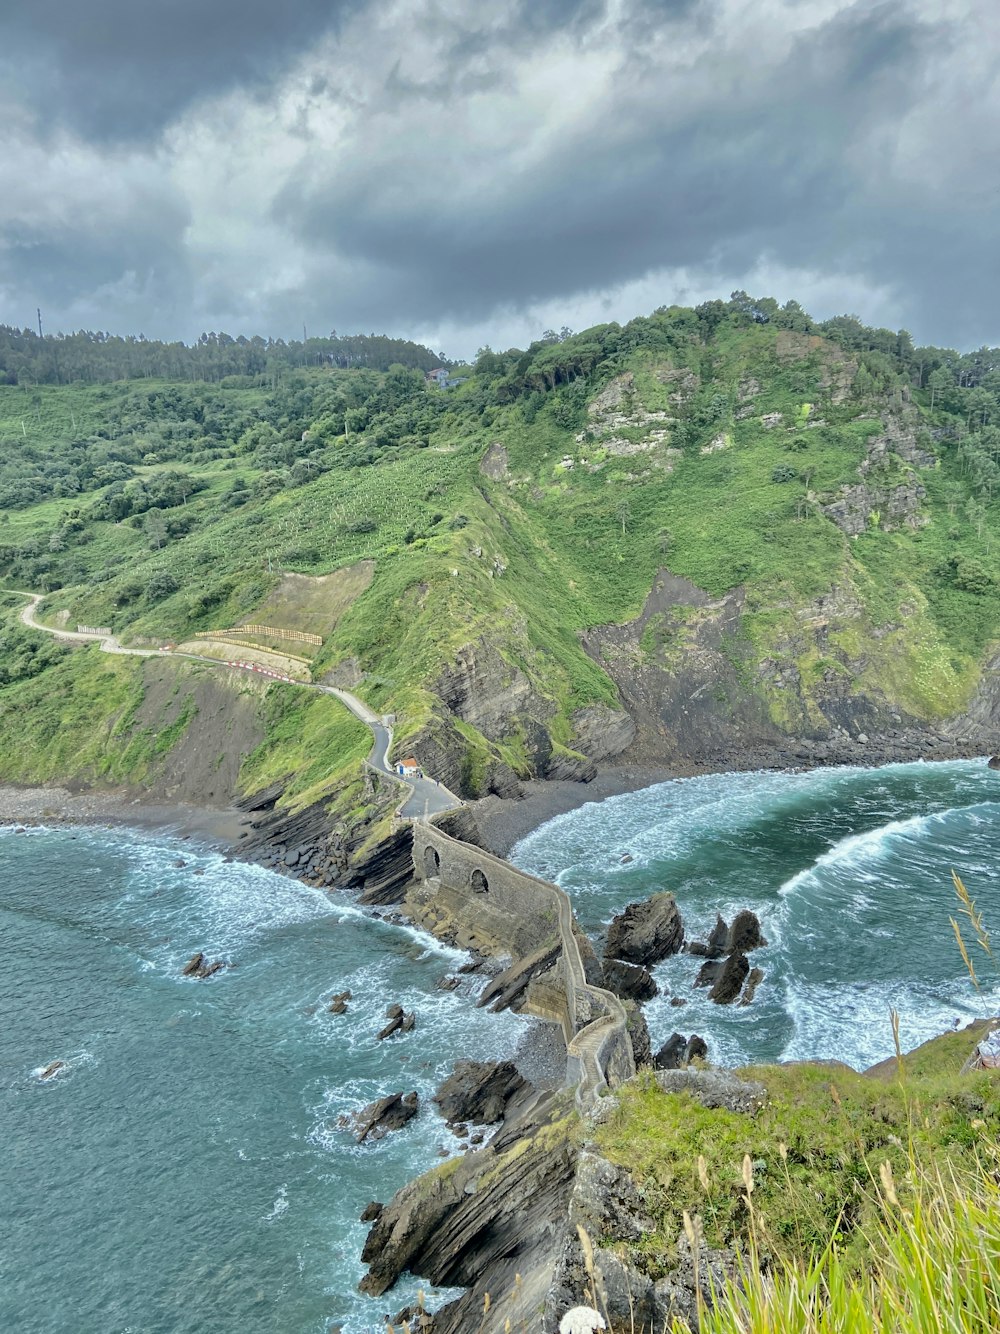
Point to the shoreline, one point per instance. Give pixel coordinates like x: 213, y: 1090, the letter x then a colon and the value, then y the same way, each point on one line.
x: 219, y: 828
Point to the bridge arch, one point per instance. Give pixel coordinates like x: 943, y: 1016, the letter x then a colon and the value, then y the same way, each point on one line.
x: 478, y: 882
x: 432, y: 862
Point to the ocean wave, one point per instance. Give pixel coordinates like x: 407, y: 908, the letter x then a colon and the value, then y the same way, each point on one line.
x: 860, y: 850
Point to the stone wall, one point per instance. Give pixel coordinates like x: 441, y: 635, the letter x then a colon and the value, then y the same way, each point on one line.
x: 478, y: 887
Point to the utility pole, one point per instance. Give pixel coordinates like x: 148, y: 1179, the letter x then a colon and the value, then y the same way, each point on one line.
x: 39, y: 310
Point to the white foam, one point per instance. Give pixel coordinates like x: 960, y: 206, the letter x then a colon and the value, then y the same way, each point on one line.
x: 280, y: 1206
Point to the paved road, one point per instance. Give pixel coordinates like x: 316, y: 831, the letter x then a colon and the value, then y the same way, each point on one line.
x: 427, y: 797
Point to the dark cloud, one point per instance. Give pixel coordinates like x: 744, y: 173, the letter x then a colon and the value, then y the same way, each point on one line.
x: 437, y: 164
x: 732, y: 162
x: 121, y: 69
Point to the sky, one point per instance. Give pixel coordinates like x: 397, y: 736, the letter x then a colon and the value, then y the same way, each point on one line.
x: 469, y: 174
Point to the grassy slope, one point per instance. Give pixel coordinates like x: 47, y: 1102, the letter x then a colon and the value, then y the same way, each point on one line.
x: 816, y: 1148
x: 577, y: 547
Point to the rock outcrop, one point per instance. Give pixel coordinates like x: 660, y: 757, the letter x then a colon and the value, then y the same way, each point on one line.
x: 646, y: 932
x: 678, y: 1052
x: 480, y: 1093
x: 390, y: 1113
x: 631, y: 981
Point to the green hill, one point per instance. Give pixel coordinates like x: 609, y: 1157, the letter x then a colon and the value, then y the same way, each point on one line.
x: 707, y: 537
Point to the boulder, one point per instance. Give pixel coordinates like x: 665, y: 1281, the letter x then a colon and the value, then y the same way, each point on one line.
x: 629, y: 980
x: 338, y: 1003
x: 730, y: 980
x: 646, y: 932
x: 479, y: 1092
x: 744, y: 934
x: 994, y: 762
x: 371, y: 1211
x: 386, y: 1114
x: 446, y: 983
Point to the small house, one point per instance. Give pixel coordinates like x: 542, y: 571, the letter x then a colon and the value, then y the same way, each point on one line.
x: 438, y: 376
x: 407, y: 768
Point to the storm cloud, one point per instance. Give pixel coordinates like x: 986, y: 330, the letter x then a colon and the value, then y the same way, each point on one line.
x: 466, y: 174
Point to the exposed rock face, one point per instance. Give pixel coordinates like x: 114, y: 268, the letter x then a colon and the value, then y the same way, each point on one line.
x: 862, y: 506
x: 491, y: 1216
x: 745, y: 933
x: 646, y: 932
x: 480, y: 1092
x: 629, y: 980
x: 495, y: 463
x: 754, y: 979
x: 602, y: 733
x: 638, y: 1035
x: 715, y: 946
x: 729, y: 982
x: 389, y: 1113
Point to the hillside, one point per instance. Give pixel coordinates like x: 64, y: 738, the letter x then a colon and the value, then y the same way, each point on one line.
x: 711, y: 537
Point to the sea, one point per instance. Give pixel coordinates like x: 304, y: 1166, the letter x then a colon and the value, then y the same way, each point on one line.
x: 187, y: 1170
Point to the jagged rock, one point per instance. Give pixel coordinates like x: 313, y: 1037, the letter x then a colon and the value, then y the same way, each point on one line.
x: 709, y: 972
x: 386, y: 1114
x: 629, y: 980
x: 601, y: 733
x: 510, y: 985
x: 446, y: 983
x: 670, y: 1054
x: 754, y: 979
x: 744, y: 934
x: 678, y: 1051
x: 193, y: 964
x: 52, y: 1069
x: 410, y: 1317
x: 480, y: 1092
x: 371, y: 1212
x: 994, y: 762
x: 715, y: 946
x: 210, y: 969
x: 399, y: 1022
x: 646, y: 932
x: 677, y: 1001
x: 730, y: 980
x: 338, y: 1003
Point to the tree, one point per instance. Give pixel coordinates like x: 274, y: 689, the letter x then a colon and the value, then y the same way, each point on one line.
x: 623, y: 512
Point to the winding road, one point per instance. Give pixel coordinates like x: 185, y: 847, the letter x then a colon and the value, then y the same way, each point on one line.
x: 427, y: 797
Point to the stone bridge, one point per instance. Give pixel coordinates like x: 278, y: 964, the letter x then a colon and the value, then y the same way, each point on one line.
x: 532, y: 914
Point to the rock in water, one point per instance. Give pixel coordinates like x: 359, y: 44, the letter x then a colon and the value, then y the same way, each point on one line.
x: 371, y: 1211
x: 193, y: 964
x: 715, y: 946
x: 479, y: 1091
x: 730, y: 980
x: 390, y: 1113
x: 744, y: 934
x: 629, y: 980
x: 994, y: 762
x: 52, y: 1069
x: 394, y: 1012
x: 646, y: 932
x: 669, y: 1055
x: 754, y: 979
x: 678, y: 1051
x: 709, y: 973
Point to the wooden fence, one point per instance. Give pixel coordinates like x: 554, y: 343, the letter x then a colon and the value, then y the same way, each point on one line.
x: 270, y: 630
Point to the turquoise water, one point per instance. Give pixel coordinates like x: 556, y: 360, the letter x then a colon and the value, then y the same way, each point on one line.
x: 185, y: 1172
x: 850, y: 872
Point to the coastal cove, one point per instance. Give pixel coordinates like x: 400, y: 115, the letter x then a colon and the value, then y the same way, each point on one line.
x: 835, y: 861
